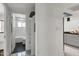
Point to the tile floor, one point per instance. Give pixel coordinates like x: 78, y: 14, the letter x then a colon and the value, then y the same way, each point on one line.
x: 19, y: 54
x: 20, y: 50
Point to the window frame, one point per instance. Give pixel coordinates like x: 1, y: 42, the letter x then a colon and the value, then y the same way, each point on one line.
x: 1, y: 27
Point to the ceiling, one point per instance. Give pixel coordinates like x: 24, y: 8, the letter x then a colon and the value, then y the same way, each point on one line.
x: 74, y: 9
x: 20, y: 7
x: 23, y: 7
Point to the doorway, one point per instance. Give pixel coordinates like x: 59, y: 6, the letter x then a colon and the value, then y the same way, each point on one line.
x: 71, y: 34
x: 19, y: 35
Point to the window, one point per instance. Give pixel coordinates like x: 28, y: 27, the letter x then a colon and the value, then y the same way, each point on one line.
x: 20, y: 20
x: 20, y: 24
x: 1, y: 26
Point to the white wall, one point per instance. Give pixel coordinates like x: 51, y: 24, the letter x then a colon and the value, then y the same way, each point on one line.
x: 49, y: 29
x: 29, y: 28
x: 28, y: 34
x: 72, y: 24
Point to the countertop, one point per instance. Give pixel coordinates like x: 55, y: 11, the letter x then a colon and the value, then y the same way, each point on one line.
x: 71, y: 33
